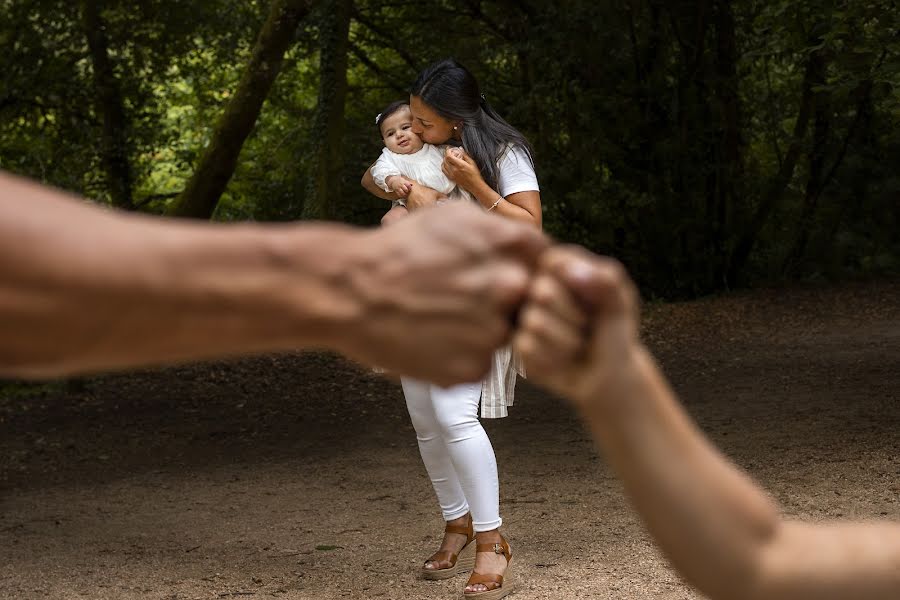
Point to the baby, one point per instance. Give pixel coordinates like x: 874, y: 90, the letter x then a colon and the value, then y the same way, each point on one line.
x: 406, y: 161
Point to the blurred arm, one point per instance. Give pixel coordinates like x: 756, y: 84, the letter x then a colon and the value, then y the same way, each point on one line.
x: 85, y: 289
x: 578, y: 333
x: 717, y: 527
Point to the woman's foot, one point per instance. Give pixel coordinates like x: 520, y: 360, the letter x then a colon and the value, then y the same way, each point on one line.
x: 491, y: 563
x: 447, y: 561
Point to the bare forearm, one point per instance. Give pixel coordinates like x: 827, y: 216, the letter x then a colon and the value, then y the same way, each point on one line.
x: 707, y: 516
x: 717, y: 527
x: 85, y: 289
x: 368, y: 182
x: 509, y: 207
x: 831, y: 561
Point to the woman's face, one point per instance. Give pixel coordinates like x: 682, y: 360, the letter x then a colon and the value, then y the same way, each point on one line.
x: 429, y: 125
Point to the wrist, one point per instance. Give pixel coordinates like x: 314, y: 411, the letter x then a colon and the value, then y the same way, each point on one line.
x: 319, y: 303
x: 248, y: 288
x: 486, y: 196
x: 613, y: 391
x: 192, y: 292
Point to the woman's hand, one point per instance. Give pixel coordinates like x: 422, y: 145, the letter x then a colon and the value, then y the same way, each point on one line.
x: 461, y: 169
x: 421, y: 196
x: 368, y: 182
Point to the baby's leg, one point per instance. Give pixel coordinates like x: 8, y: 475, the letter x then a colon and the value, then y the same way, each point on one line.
x: 397, y: 212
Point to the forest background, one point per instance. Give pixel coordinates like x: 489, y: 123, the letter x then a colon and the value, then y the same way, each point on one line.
x: 709, y: 145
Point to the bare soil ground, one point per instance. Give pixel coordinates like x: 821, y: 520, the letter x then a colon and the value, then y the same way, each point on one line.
x: 298, y: 476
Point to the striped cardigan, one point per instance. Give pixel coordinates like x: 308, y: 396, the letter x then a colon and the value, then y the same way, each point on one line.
x: 499, y: 388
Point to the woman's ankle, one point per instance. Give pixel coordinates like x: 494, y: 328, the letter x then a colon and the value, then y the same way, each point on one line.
x: 489, y: 537
x: 463, y: 520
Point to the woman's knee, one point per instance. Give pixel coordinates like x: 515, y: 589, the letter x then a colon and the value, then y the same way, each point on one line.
x: 456, y: 423
x: 453, y: 411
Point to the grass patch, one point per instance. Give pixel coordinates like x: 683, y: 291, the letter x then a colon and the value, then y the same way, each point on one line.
x: 16, y: 390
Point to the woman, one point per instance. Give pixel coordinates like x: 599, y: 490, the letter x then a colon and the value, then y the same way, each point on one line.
x: 497, y: 170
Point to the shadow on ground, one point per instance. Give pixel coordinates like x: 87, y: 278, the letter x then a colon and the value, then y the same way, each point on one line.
x: 297, y: 476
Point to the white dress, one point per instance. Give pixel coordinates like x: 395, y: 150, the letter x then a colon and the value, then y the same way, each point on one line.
x: 423, y: 167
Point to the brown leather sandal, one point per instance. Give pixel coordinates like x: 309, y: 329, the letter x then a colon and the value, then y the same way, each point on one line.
x: 459, y: 563
x: 498, y: 586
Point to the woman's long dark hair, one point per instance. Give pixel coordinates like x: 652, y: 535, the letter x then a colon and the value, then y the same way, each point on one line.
x: 452, y: 91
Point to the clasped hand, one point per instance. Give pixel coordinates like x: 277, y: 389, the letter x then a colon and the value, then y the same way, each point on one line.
x: 445, y: 299
x: 461, y: 169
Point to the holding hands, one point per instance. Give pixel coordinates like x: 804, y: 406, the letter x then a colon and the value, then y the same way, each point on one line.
x: 464, y: 275
x: 457, y: 279
x: 445, y: 300
x: 431, y: 297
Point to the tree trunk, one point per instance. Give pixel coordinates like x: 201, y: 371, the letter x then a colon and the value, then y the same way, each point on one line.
x: 730, y: 159
x: 325, y: 188
x: 745, y: 243
x: 217, y: 164
x: 109, y: 106
x: 817, y: 155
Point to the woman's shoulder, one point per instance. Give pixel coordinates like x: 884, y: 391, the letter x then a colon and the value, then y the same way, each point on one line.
x: 515, y: 155
x: 516, y: 171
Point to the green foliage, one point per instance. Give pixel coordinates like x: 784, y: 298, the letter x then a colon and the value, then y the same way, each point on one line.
x: 14, y: 390
x: 664, y: 132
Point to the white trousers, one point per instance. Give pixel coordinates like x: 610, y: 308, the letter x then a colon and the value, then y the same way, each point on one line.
x: 456, y: 450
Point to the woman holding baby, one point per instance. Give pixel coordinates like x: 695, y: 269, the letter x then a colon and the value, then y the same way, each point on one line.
x: 492, y: 162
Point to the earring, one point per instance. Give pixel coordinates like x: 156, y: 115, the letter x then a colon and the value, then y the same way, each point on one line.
x: 455, y: 128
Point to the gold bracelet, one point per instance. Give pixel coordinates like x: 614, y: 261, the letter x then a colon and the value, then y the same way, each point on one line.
x: 494, y: 205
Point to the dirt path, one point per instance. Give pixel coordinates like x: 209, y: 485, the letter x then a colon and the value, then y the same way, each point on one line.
x: 298, y: 476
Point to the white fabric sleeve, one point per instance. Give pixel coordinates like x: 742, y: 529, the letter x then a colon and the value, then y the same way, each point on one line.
x: 516, y: 173
x: 383, y: 168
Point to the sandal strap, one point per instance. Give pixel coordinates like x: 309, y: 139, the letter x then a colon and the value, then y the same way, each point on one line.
x: 460, y: 529
x: 465, y: 530
x: 442, y: 555
x: 490, y: 581
x: 497, y: 548
x: 447, y: 555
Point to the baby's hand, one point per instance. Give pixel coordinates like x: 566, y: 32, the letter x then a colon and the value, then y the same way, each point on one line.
x: 400, y: 185
x: 578, y: 326
x: 455, y: 151
x: 460, y: 168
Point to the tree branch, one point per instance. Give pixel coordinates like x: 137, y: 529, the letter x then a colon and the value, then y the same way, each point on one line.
x: 748, y: 239
x: 216, y: 166
x: 154, y: 197
x: 381, y: 73
x: 387, y: 39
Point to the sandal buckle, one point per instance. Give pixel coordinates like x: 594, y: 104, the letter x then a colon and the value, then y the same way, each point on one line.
x: 498, y: 549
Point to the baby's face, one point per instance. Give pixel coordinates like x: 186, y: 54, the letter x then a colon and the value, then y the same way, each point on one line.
x: 396, y: 131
